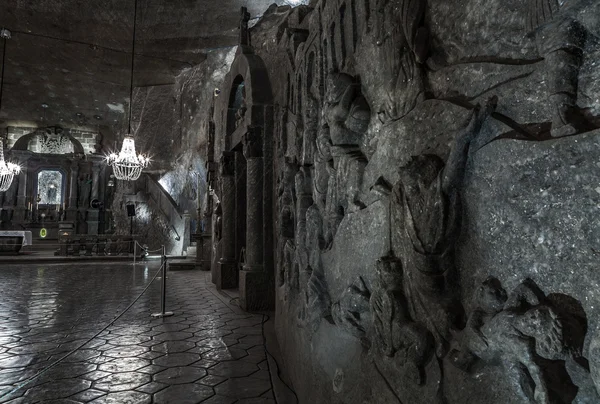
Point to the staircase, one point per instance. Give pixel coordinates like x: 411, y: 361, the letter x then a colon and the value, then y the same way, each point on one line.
x: 160, y: 201
x: 185, y: 264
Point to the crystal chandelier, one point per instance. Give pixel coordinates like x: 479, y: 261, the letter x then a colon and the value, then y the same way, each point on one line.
x: 127, y: 165
x: 7, y: 170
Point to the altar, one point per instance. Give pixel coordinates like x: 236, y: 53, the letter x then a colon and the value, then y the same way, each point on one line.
x: 11, y: 241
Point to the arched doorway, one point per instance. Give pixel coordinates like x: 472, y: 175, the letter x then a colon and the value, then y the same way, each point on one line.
x: 243, y: 140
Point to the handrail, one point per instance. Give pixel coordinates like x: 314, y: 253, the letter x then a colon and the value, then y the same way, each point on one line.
x: 169, y: 208
x: 163, y: 192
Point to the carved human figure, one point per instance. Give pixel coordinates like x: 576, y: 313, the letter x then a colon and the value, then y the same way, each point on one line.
x: 346, y: 119
x: 304, y: 201
x: 518, y: 330
x: 218, y: 212
x: 323, y: 164
x: 310, y: 129
x: 428, y: 223
x: 351, y: 311
x: 240, y: 114
x: 401, y: 46
x: 560, y: 39
x: 286, y: 222
x: 346, y: 111
x: 395, y: 333
x: 317, y: 301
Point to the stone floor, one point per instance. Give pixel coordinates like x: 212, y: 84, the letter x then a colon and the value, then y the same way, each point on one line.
x: 209, y: 352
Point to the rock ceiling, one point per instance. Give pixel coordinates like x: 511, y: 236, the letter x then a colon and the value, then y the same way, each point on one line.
x: 75, y: 55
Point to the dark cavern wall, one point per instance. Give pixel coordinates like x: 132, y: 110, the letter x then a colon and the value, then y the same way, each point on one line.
x: 433, y: 169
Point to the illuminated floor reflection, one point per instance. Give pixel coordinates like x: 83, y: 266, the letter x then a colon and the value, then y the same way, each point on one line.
x: 209, y: 351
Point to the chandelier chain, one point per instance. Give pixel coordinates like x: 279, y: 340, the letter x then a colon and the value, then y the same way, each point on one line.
x: 132, y: 64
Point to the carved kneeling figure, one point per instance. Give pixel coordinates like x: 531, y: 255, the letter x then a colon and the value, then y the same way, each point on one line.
x: 396, y: 334
x: 518, y: 330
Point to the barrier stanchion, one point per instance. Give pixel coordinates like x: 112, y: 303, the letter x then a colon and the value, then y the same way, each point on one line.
x: 163, y: 295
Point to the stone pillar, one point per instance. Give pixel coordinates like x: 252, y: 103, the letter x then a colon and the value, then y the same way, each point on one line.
x: 240, y: 204
x: 73, y: 182
x: 93, y: 218
x: 254, y: 201
x: 22, y: 192
x: 227, y: 276
x: 95, y: 181
x: 21, y: 208
x: 93, y: 215
x: 253, y: 280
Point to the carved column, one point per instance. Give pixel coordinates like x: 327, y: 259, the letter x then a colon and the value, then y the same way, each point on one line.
x: 73, y: 181
x: 22, y: 192
x: 21, y: 208
x: 93, y: 216
x: 254, y: 201
x: 253, y: 282
x: 240, y: 205
x: 227, y: 275
x: 95, y: 181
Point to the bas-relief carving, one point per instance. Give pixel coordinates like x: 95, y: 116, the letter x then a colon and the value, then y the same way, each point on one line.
x: 351, y: 311
x: 53, y: 141
x: 286, y: 221
x: 316, y: 302
x: 398, y: 45
x: 396, y: 334
x: 525, y: 332
x: 560, y: 40
x: 428, y: 225
x: 410, y: 312
x: 339, y: 159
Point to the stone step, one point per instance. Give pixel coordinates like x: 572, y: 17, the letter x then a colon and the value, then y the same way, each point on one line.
x: 191, y: 251
x: 182, y: 265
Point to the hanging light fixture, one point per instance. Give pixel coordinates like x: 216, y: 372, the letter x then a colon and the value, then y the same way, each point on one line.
x: 7, y: 169
x: 127, y: 165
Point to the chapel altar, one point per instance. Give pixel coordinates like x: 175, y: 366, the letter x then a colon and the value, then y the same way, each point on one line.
x: 62, y: 184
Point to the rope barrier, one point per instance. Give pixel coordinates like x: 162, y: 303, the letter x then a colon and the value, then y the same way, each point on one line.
x: 158, y: 249
x: 69, y: 243
x: 41, y: 372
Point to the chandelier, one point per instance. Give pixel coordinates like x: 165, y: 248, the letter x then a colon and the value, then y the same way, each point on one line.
x: 7, y: 170
x: 127, y: 165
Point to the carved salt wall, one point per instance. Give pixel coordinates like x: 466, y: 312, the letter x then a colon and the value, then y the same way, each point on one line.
x: 435, y: 185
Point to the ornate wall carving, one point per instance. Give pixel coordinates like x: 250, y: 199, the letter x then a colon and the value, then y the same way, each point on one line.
x: 383, y: 113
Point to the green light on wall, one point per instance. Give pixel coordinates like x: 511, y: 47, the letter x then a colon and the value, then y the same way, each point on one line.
x: 43, y: 233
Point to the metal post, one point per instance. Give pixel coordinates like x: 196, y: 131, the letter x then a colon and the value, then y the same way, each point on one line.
x: 163, y: 295
x: 134, y: 252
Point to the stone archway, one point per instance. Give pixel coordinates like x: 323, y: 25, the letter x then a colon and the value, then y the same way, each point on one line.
x: 244, y: 133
